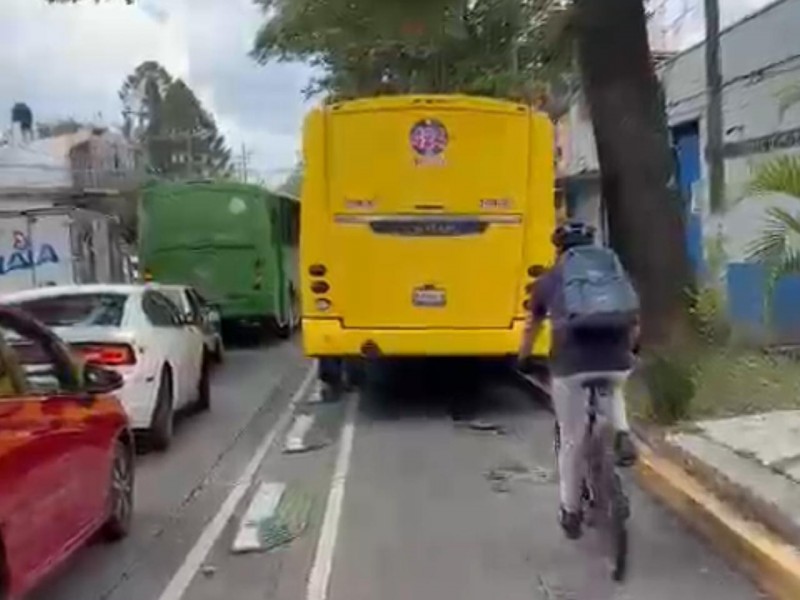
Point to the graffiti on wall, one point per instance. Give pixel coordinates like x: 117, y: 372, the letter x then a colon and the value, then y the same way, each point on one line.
x: 25, y: 255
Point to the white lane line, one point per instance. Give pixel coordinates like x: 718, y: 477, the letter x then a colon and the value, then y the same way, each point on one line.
x: 194, y: 559
x: 262, y: 506
x: 320, y: 576
x: 295, y: 439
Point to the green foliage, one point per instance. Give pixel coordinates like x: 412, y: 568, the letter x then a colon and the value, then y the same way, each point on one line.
x: 787, y: 98
x: 164, y: 114
x: 778, y: 176
x: 671, y: 385
x: 367, y: 47
x: 778, y: 245
x: 708, y: 316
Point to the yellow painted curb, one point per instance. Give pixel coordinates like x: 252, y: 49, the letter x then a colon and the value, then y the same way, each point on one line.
x: 770, y: 561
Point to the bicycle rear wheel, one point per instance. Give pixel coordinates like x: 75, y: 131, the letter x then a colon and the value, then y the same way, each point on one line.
x: 619, y: 540
x: 608, y: 504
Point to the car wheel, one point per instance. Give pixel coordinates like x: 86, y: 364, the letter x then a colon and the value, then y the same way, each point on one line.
x: 120, y: 495
x: 219, y: 353
x: 163, y: 417
x: 204, y: 386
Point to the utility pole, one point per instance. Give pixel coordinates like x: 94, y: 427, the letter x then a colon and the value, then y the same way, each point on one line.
x: 244, y: 162
x: 716, y: 162
x: 243, y: 158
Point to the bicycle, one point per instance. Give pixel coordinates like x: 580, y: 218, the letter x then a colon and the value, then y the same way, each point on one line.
x: 603, y: 495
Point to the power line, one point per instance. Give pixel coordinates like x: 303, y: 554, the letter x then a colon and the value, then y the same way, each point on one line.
x: 765, y: 71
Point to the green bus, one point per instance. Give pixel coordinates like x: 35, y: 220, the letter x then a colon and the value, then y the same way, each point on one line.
x: 235, y: 243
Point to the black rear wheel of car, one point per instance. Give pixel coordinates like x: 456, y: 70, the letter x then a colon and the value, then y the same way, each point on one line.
x: 204, y: 386
x: 120, y: 494
x: 163, y: 417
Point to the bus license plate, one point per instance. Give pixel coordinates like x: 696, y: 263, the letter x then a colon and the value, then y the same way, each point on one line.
x: 429, y: 298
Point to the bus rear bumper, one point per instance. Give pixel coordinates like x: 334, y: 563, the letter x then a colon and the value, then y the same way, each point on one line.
x: 327, y: 337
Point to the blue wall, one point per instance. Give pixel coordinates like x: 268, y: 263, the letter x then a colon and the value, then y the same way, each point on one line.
x: 747, y: 288
x: 686, y: 144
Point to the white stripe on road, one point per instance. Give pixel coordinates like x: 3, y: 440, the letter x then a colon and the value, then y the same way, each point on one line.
x: 295, y: 439
x: 323, y: 560
x: 262, y: 506
x: 191, y: 564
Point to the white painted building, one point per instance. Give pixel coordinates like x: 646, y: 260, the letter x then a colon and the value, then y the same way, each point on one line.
x: 761, y: 76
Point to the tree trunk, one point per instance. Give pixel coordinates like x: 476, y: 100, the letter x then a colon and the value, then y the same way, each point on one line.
x: 645, y: 210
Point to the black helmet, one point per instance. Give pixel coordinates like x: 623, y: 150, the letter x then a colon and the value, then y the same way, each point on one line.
x: 571, y: 234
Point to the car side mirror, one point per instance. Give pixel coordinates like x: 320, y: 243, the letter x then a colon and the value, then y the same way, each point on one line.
x: 213, y: 314
x: 101, y: 381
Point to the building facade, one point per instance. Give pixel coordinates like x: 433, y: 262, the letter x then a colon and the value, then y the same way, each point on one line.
x: 761, y: 113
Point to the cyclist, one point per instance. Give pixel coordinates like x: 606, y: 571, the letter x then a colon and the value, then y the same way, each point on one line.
x: 575, y: 357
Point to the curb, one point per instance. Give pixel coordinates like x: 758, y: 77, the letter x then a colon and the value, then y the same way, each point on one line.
x: 769, y: 560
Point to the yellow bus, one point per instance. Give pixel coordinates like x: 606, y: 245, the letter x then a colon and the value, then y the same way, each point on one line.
x: 424, y: 220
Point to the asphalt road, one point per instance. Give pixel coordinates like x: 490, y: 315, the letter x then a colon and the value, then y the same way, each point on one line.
x: 408, y: 501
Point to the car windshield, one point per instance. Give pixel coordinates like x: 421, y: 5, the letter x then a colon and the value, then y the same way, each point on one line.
x: 78, y: 310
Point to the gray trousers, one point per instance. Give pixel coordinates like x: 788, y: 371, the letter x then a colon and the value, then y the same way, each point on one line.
x: 570, y: 401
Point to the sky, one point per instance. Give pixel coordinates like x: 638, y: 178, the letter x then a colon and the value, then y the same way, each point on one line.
x: 69, y: 61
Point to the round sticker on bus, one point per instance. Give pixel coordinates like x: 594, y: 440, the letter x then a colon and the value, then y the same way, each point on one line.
x: 428, y: 138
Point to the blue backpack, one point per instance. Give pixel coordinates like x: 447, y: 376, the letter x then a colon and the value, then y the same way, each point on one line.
x: 598, y: 294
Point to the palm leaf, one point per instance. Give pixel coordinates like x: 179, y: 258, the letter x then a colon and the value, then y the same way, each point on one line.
x: 778, y: 249
x: 778, y: 176
x: 778, y: 240
x: 788, y: 98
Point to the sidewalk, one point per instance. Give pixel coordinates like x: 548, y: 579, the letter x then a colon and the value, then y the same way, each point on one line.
x: 737, y: 481
x: 753, y: 461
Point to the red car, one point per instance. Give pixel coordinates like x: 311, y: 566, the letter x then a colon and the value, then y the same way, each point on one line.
x: 66, y: 454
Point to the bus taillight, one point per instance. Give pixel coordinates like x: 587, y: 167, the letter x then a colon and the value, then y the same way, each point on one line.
x: 536, y: 270
x: 320, y: 287
x: 323, y: 304
x: 317, y: 270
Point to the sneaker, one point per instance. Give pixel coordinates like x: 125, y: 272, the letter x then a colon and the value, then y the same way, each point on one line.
x: 571, y: 523
x: 625, y: 450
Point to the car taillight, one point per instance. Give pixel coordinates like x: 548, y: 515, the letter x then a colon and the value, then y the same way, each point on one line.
x: 109, y: 355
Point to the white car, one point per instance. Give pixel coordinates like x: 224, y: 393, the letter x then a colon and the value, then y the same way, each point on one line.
x: 198, y: 311
x: 138, y: 332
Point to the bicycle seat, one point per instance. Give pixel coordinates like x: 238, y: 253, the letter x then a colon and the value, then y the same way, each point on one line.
x: 596, y: 383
